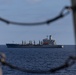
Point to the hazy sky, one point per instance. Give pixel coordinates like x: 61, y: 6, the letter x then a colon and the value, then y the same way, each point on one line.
x: 35, y: 11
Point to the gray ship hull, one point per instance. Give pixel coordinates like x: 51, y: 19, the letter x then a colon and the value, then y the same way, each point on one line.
x: 33, y: 46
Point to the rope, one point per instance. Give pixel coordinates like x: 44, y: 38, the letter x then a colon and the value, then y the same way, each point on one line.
x: 69, y: 62
x: 61, y: 15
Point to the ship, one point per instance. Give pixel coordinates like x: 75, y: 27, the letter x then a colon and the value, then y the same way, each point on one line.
x: 45, y: 43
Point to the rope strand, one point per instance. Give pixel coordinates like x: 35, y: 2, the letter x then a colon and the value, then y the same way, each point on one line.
x: 69, y: 62
x: 61, y: 15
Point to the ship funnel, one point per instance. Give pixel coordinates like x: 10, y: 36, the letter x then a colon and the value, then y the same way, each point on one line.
x: 50, y: 37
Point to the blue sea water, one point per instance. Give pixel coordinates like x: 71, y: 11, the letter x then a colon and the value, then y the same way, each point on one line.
x: 38, y: 59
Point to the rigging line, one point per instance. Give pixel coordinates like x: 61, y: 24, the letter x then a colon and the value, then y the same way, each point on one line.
x: 61, y: 15
x: 32, y: 24
x: 69, y: 62
x: 10, y: 22
x: 22, y: 69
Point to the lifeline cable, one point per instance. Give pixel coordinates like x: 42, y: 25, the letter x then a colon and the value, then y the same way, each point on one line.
x: 61, y: 15
x: 69, y: 62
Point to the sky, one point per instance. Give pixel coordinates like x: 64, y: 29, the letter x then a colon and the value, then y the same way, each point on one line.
x: 35, y: 11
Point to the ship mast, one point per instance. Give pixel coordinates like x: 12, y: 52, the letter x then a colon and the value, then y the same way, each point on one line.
x: 50, y: 37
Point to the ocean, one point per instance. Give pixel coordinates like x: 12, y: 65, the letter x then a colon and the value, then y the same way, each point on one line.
x: 38, y: 59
